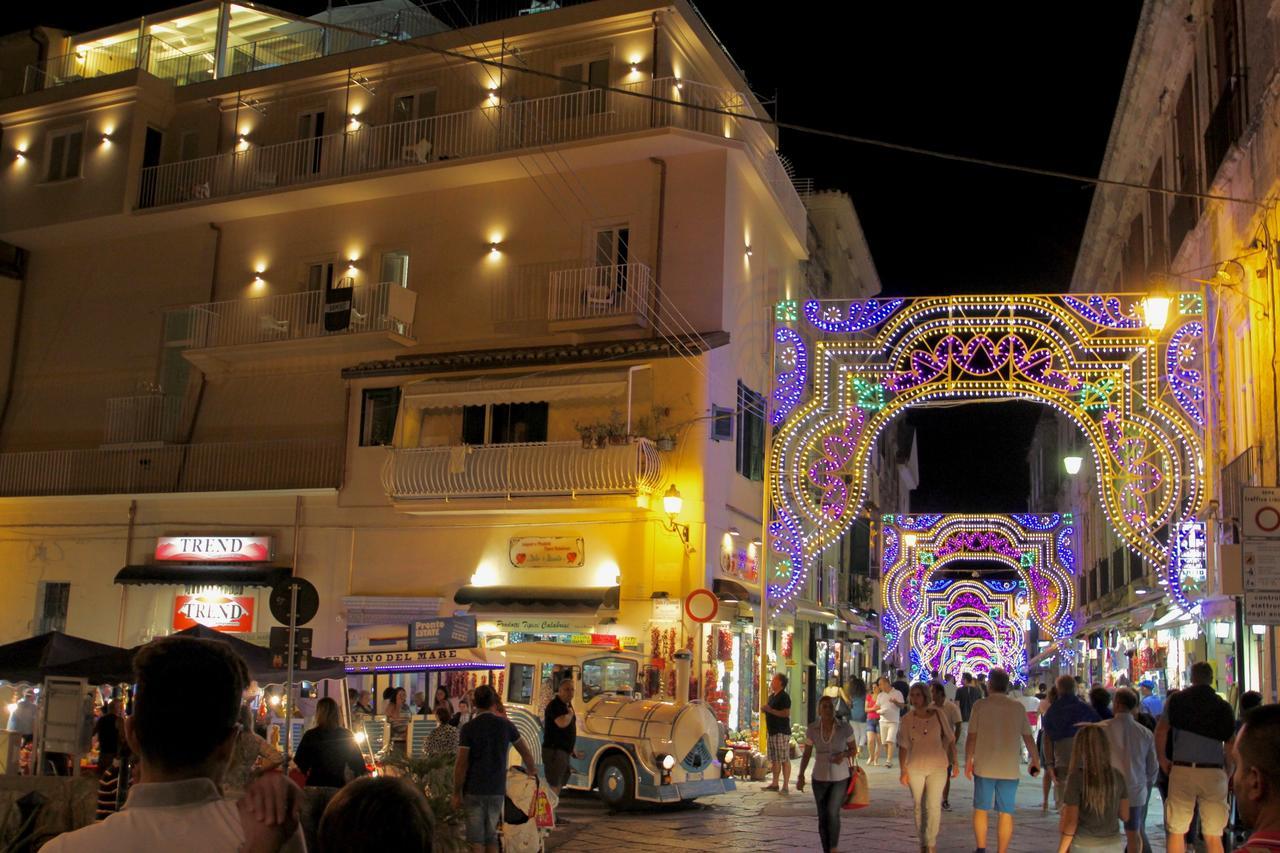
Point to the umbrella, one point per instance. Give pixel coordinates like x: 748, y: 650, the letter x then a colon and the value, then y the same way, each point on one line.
x: 261, y: 662
x: 31, y: 659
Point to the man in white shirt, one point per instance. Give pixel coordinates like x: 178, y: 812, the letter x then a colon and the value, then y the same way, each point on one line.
x: 889, y: 702
x: 184, y: 727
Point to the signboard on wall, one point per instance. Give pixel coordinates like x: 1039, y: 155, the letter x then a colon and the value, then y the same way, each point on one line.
x: 232, y: 614
x: 740, y: 563
x: 448, y: 632
x: 1260, y: 512
x: 546, y: 552
x: 213, y: 549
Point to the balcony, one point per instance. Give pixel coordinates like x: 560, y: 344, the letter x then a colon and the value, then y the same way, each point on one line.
x: 600, y: 297
x: 102, y: 59
x: 513, y: 126
x: 562, y: 468
x: 298, y: 325
x: 222, y: 467
x: 143, y: 419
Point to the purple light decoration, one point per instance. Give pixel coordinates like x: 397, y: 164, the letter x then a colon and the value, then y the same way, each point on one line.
x: 1184, y: 382
x: 981, y: 357
x: 1031, y: 521
x: 420, y: 667
x: 918, y: 522
x: 1066, y: 553
x: 790, y: 382
x: 890, y: 553
x: 859, y: 316
x: 837, y: 450
x: 1105, y: 312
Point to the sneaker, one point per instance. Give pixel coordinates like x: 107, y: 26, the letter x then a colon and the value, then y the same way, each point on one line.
x: 783, y: 791
x: 946, y: 807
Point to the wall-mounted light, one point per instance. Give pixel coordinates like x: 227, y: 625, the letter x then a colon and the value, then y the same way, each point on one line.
x: 747, y: 249
x: 1141, y: 591
x: 493, y: 248
x: 1072, y: 464
x: 106, y: 137
x: 734, y: 532
x: 20, y: 155
x: 635, y: 65
x: 242, y: 143
x: 353, y: 120
x: 1221, y: 630
x: 757, y: 542
x: 1155, y: 311
x: 351, y: 264
x: 679, y: 83
x: 1259, y: 630
x: 672, y: 503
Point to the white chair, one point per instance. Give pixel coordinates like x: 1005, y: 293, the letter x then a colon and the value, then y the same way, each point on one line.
x: 271, y: 326
x: 418, y: 152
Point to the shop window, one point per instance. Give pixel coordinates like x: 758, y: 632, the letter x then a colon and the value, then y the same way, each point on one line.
x: 52, y: 598
x: 520, y: 687
x: 504, y: 423
x: 750, y: 444
x: 378, y: 407
x: 63, y: 154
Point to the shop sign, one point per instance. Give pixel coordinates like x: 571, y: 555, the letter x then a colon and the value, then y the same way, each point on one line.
x: 379, y: 638
x: 449, y: 632
x: 232, y: 614
x: 741, y: 563
x: 537, y: 626
x: 385, y: 658
x: 544, y: 552
x: 1262, y: 608
x: 213, y: 549
x: 667, y: 610
x: 1193, y: 553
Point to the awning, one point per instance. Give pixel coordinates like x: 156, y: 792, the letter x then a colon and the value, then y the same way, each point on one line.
x: 191, y: 574
x: 576, y: 385
x: 857, y: 624
x: 813, y: 615
x: 492, y: 599
x: 732, y: 591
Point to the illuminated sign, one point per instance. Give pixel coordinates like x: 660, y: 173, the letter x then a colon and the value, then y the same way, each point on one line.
x: 213, y: 549
x: 449, y: 632
x: 542, y: 552
x: 232, y: 614
x: 1192, y: 552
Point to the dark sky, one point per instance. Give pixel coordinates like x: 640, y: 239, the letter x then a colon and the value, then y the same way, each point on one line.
x: 1029, y: 83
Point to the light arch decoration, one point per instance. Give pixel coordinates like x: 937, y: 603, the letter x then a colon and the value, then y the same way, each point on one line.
x: 845, y: 369
x: 970, y: 626
x: 1038, y: 548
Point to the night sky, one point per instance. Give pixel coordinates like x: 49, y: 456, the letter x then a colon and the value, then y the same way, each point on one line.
x: 1027, y: 83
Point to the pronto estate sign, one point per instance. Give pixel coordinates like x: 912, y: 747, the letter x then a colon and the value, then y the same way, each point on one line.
x: 232, y: 614
x: 213, y: 549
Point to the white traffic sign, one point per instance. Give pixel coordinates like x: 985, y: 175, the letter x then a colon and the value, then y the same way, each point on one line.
x: 1261, y: 565
x: 1260, y: 513
x: 1262, y: 608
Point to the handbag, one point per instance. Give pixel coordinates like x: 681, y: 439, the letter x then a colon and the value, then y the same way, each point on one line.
x: 858, y: 794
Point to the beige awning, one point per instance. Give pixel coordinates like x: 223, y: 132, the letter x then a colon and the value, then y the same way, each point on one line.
x: 540, y: 388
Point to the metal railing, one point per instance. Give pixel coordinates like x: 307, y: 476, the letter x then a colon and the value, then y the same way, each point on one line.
x: 157, y: 57
x: 143, y: 418
x: 522, y: 470
x: 385, y: 307
x: 515, y: 125
x: 600, y: 292
x: 1244, y: 470
x: 220, y: 467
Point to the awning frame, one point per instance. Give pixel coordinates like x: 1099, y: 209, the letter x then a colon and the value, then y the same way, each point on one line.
x: 202, y: 574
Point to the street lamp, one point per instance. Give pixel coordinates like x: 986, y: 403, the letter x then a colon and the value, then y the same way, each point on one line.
x: 672, y: 503
x: 1072, y: 464
x: 1155, y: 311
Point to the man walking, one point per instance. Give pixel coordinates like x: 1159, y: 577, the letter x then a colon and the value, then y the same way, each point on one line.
x: 901, y: 684
x: 480, y: 771
x: 951, y: 713
x: 966, y: 695
x: 1256, y: 755
x: 777, y: 721
x: 1151, y: 703
x: 1202, y: 726
x: 559, y: 735
x: 998, y: 728
x: 1059, y: 726
x: 1133, y: 753
x: 950, y: 684
x: 889, y: 703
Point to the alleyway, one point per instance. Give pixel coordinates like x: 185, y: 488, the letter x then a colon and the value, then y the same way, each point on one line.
x: 752, y: 820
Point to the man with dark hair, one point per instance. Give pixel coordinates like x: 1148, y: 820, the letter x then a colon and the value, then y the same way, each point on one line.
x: 1059, y: 726
x: 185, y: 744
x: 777, y: 724
x: 966, y: 694
x: 901, y: 684
x: 1202, y: 726
x: 1256, y: 754
x: 1133, y: 753
x: 998, y: 729
x: 480, y: 771
x: 385, y: 814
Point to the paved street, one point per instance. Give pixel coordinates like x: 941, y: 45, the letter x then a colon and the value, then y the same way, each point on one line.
x: 753, y: 820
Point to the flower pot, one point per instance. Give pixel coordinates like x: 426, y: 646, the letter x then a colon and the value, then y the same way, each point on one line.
x: 666, y: 444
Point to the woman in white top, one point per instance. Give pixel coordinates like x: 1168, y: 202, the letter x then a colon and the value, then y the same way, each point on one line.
x: 835, y: 745
x: 890, y: 702
x: 927, y: 745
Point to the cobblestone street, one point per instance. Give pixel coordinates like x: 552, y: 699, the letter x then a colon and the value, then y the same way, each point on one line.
x: 750, y: 819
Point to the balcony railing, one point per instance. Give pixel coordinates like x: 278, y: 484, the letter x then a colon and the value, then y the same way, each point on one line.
x: 1244, y: 470
x: 518, y: 124
x: 385, y: 307
x: 143, y: 418
x: 222, y: 467
x: 160, y: 59
x: 522, y: 470
x: 600, y: 293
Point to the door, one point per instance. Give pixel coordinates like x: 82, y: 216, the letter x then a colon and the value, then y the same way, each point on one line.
x: 613, y: 253
x: 310, y: 135
x: 589, y: 99
x: 151, y: 145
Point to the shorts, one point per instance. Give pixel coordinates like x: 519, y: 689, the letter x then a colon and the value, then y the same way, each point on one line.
x: 888, y: 732
x: 1192, y: 786
x: 1137, y: 818
x: 483, y: 811
x: 873, y: 726
x: 779, y: 748
x: 555, y: 766
x: 998, y: 792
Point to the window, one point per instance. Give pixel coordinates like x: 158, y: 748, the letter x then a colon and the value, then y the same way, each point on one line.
x: 411, y: 107
x: 1183, y: 209
x: 378, y: 408
x: 721, y: 424
x: 750, y: 444
x: 1159, y: 259
x: 520, y: 684
x: 504, y: 423
x: 51, y: 606
x: 395, y: 268
x: 319, y: 276
x: 64, y: 153
x: 596, y: 75
x: 310, y: 155
x: 608, y: 675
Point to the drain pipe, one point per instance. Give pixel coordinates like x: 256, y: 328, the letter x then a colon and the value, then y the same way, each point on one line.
x: 124, y: 587
x: 657, y: 255
x: 213, y: 291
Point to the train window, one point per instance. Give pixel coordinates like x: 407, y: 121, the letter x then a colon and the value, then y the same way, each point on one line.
x: 608, y: 675
x: 520, y: 683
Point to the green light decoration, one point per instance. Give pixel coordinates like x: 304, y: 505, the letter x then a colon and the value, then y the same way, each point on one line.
x: 786, y: 311
x: 996, y: 613
x: 1097, y: 396
x: 782, y: 569
x: 1028, y: 559
x: 1190, y: 304
x: 871, y: 395
x: 926, y: 559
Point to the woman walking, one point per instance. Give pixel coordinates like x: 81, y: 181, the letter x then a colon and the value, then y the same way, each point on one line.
x: 328, y: 754
x: 926, y: 753
x: 858, y: 711
x: 833, y: 743
x: 1096, y: 801
x: 1047, y: 785
x: 873, y: 726
x: 397, y: 718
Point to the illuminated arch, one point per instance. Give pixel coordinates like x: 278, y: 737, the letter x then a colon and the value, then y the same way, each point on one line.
x: 844, y: 370
x: 970, y: 626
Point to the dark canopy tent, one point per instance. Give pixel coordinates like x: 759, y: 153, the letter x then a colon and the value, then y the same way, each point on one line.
x: 30, y: 660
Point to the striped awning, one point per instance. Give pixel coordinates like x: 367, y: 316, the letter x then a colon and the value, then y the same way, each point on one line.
x: 538, y: 388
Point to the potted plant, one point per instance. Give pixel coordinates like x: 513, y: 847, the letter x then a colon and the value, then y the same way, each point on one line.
x: 587, y: 432
x: 664, y: 434
x: 616, y: 429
